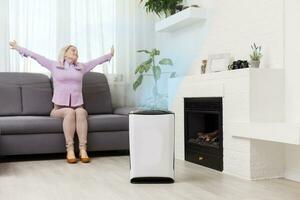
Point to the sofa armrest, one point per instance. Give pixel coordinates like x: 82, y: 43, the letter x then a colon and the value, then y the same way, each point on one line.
x: 124, y: 110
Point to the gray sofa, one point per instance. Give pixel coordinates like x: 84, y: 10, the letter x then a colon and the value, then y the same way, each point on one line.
x: 27, y: 128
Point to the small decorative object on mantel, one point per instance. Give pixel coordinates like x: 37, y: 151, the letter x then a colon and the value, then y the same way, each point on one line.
x: 203, y: 66
x: 255, y: 56
x: 218, y: 62
x: 239, y: 64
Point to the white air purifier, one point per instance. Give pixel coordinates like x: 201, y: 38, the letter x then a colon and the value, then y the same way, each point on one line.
x: 151, y: 138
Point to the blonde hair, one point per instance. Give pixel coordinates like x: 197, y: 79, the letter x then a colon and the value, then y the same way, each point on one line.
x: 61, y: 57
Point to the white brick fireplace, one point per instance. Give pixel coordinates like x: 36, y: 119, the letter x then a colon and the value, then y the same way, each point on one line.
x: 254, y: 131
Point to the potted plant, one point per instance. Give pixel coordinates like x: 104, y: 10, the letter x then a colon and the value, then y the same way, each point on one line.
x: 151, y: 68
x: 255, y: 56
x: 168, y: 7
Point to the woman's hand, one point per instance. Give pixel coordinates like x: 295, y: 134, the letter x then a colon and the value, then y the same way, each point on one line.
x: 112, y: 50
x: 13, y: 44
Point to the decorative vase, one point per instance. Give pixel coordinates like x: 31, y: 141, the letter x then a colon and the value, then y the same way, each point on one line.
x: 255, y: 63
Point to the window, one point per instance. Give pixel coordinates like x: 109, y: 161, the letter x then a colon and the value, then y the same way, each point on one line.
x: 92, y: 30
x: 35, y: 24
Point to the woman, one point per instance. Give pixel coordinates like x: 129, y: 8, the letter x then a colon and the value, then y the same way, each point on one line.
x: 67, y: 76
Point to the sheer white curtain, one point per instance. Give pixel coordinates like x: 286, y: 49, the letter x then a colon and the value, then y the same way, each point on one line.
x: 4, y: 36
x: 134, y: 31
x: 93, y: 30
x: 32, y: 23
x: 41, y: 27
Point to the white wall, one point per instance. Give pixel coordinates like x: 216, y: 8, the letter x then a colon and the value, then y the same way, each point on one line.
x: 292, y: 41
x: 235, y: 25
x: 292, y: 69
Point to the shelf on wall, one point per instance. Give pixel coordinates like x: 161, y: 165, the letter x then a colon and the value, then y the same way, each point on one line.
x: 186, y: 17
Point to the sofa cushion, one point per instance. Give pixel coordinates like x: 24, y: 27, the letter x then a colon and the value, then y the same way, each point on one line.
x: 37, y: 100
x: 10, y: 100
x: 14, y: 125
x: 25, y: 94
x: 11, y: 125
x: 108, y: 122
x: 96, y: 94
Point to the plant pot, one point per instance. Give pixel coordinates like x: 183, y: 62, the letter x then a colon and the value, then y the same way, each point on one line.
x: 255, y: 63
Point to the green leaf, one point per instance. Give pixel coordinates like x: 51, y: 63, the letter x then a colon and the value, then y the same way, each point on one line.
x: 156, y: 52
x: 147, y: 62
x: 152, y: 53
x: 147, y: 67
x: 161, y: 6
x: 156, y: 72
x: 138, y: 82
x: 143, y: 51
x: 173, y: 75
x: 137, y: 69
x: 144, y: 67
x: 166, y: 61
x: 141, y: 69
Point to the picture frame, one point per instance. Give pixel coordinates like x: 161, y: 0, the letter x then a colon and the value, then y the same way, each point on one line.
x: 218, y: 62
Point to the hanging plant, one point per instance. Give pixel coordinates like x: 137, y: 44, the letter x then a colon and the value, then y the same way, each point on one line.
x: 168, y: 7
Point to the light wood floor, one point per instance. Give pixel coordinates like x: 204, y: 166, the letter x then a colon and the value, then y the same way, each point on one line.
x: 107, y: 178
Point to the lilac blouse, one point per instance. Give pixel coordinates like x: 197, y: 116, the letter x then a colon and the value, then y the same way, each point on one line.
x: 67, y: 81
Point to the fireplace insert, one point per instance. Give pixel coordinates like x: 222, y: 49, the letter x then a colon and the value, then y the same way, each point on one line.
x: 203, y: 126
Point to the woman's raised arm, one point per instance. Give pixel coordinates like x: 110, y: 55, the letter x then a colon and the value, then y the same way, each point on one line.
x: 98, y: 61
x: 42, y: 60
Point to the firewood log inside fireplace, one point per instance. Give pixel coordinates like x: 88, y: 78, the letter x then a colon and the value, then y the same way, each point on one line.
x: 207, y: 137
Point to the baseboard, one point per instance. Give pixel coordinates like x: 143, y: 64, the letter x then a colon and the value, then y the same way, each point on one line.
x: 237, y: 175
x: 292, y: 174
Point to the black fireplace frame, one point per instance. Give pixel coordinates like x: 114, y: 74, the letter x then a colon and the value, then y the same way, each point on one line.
x: 207, y: 156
